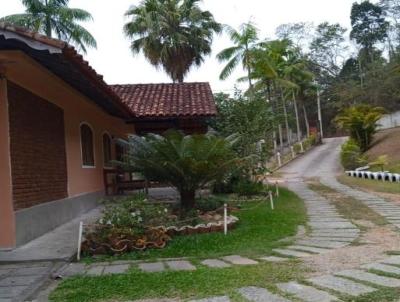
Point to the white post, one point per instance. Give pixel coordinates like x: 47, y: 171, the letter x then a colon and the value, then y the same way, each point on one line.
x: 277, y: 189
x: 278, y: 155
x: 271, y: 199
x: 301, y: 147
x: 319, y: 114
x: 78, y: 255
x: 225, y: 219
x: 292, y: 150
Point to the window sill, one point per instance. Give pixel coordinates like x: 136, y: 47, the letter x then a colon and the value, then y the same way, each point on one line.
x: 88, y: 167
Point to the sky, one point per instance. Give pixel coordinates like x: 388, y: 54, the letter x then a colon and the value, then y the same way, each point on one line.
x: 114, y: 60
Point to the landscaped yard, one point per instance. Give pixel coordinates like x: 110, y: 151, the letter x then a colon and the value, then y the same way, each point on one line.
x: 257, y: 233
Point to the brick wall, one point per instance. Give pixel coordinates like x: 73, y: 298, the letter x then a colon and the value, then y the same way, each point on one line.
x: 37, y: 145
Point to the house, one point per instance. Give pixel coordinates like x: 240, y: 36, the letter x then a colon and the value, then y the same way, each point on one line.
x: 58, y: 124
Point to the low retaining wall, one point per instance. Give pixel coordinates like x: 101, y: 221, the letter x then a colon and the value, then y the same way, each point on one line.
x: 38, y: 220
x: 382, y: 176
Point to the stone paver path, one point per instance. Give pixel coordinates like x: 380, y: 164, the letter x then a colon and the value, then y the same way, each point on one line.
x: 258, y: 294
x: 19, y: 281
x: 306, y: 293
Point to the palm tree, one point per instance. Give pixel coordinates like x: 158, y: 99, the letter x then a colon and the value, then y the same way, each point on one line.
x: 172, y: 34
x: 241, y: 52
x: 51, y: 17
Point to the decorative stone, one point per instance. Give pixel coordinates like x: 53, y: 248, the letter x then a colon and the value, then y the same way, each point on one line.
x: 342, y: 285
x: 152, y: 267
x: 383, y: 268
x: 369, y: 277
x: 116, y: 269
x: 95, y: 270
x: 182, y: 265
x: 258, y: 294
x: 392, y: 260
x: 291, y: 253
x: 239, y: 260
x: 274, y: 259
x: 306, y: 293
x: 213, y: 299
x: 310, y: 249
x: 215, y: 263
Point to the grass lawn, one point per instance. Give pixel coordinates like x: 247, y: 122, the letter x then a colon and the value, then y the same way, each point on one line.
x: 373, y: 185
x: 259, y: 230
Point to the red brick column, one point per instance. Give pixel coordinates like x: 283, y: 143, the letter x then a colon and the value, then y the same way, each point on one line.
x: 7, y: 218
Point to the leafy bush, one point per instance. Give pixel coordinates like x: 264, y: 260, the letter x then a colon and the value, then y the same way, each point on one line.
x: 361, y: 121
x: 248, y: 188
x: 297, y: 148
x: 210, y: 203
x: 351, y: 156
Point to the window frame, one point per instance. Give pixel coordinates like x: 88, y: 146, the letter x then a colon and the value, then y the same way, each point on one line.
x: 107, y: 165
x: 93, y: 145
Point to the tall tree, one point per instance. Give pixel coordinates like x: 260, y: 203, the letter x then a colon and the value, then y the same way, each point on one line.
x: 327, y: 48
x: 172, y: 34
x: 298, y: 33
x: 54, y: 17
x: 244, y: 41
x: 368, y: 24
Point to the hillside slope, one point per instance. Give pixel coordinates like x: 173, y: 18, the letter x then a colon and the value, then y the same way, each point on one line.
x: 387, y: 142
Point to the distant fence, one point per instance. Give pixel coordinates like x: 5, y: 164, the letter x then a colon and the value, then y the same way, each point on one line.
x: 389, y: 121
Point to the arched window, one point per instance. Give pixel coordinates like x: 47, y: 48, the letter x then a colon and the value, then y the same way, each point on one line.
x: 87, y: 146
x: 107, y: 157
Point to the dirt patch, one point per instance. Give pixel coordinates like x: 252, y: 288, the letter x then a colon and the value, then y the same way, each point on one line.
x: 374, y: 243
x: 386, y: 142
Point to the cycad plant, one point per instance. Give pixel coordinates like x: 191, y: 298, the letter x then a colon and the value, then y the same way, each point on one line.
x: 187, y: 163
x: 54, y: 17
x: 361, y: 121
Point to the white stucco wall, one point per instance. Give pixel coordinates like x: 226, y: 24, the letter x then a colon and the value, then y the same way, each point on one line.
x: 390, y: 120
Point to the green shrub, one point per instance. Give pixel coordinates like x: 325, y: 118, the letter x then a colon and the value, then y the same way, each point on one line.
x: 248, y: 188
x: 297, y: 148
x: 351, y: 156
x: 210, y: 203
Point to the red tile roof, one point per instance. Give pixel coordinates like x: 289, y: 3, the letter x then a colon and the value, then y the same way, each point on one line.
x: 168, y: 100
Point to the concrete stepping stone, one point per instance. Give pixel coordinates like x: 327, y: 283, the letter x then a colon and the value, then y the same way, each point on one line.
x: 274, y: 259
x: 213, y: 299
x: 153, y: 267
x: 383, y: 268
x: 306, y: 293
x: 310, y: 249
x: 95, y: 270
x: 239, y: 260
x: 321, y: 243
x: 369, y: 277
x: 215, y: 263
x: 392, y: 260
x: 338, y: 239
x: 116, y: 269
x: 258, y: 294
x: 342, y: 285
x: 291, y: 253
x: 331, y: 225
x: 72, y: 269
x: 181, y: 265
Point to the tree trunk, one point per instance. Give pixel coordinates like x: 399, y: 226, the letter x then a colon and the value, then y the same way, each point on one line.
x: 286, y: 118
x: 280, y: 136
x: 297, y: 118
x: 306, y: 121
x: 187, y: 199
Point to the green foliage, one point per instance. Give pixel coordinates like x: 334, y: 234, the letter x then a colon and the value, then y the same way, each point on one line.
x: 187, y: 163
x: 368, y: 24
x: 251, y: 119
x: 351, y: 156
x: 246, y: 187
x: 210, y: 203
x: 361, y: 121
x: 380, y: 162
x: 172, y: 34
x: 55, y: 17
x: 241, y: 51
